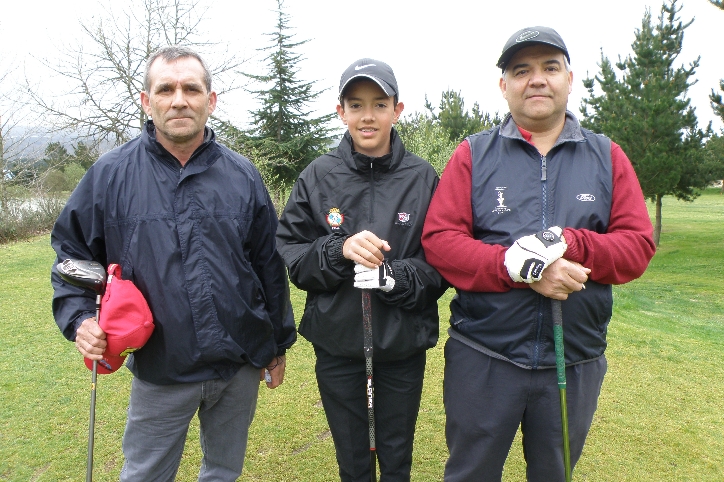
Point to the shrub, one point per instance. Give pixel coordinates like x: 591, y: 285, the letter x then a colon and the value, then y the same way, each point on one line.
x: 26, y: 216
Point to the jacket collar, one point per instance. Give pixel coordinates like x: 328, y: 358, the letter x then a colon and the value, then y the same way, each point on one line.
x: 362, y: 162
x: 202, y: 156
x: 571, y: 129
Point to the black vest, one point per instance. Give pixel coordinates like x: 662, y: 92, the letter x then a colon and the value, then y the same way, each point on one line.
x: 516, y: 192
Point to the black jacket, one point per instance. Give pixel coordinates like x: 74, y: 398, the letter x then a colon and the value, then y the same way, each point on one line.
x: 198, y: 241
x: 340, y: 194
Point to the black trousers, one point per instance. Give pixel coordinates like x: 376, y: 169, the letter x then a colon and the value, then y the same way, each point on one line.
x: 487, y: 399
x: 397, y: 389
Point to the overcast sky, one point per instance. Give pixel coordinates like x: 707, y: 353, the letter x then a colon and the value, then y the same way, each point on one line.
x: 448, y: 44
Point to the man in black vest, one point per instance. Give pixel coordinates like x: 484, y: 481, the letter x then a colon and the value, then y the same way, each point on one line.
x: 533, y: 210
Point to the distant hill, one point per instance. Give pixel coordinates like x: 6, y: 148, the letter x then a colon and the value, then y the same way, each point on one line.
x: 30, y: 142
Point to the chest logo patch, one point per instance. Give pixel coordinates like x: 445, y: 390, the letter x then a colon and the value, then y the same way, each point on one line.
x: 501, y: 207
x: 586, y: 197
x: 404, y: 219
x: 335, y: 218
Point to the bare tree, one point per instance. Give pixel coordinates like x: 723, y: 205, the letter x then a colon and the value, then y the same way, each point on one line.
x: 106, y: 68
x: 18, y: 152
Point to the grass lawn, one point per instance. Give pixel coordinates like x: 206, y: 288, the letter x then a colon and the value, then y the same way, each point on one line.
x: 660, y: 416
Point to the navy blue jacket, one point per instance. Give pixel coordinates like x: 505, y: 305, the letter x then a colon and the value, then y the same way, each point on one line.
x: 198, y: 241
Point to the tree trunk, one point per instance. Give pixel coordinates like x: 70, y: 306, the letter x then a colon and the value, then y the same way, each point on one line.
x: 657, y: 225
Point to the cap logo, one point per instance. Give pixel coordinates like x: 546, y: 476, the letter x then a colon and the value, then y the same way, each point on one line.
x: 360, y: 67
x: 527, y: 35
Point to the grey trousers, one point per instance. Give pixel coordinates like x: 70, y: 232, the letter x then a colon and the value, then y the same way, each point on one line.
x: 487, y: 399
x: 159, y: 417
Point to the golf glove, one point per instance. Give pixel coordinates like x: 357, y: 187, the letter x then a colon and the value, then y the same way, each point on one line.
x: 374, y: 278
x: 530, y: 255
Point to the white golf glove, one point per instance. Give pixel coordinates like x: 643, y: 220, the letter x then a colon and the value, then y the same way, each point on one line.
x: 530, y: 255
x: 373, y: 278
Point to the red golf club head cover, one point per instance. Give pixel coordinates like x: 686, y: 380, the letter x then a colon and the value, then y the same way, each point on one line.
x: 126, y: 319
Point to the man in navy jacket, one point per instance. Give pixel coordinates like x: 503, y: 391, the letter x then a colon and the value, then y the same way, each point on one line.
x: 192, y: 225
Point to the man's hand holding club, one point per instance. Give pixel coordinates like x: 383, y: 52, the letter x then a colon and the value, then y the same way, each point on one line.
x: 537, y: 259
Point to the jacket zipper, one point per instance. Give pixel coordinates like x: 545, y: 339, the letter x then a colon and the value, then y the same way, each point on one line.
x: 544, y: 223
x: 372, y: 193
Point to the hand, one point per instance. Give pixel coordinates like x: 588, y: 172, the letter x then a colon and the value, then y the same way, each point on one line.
x: 526, y: 259
x: 365, y: 248
x: 273, y: 374
x: 374, y: 278
x: 561, y: 278
x: 90, y: 339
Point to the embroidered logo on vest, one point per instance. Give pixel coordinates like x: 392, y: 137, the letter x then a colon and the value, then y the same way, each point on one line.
x: 586, y: 197
x: 501, y: 207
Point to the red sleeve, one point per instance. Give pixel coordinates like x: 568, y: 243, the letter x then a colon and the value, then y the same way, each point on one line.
x: 623, y: 253
x: 447, y: 236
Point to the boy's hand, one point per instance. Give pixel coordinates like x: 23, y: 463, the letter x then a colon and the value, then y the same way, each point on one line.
x: 365, y: 248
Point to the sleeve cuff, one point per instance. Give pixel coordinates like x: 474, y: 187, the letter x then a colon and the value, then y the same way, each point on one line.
x: 334, y: 250
x: 402, y: 284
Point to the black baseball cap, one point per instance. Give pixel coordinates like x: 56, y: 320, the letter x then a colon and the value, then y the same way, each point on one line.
x: 527, y: 37
x: 377, y: 71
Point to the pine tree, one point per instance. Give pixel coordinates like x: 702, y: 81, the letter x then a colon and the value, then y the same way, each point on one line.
x: 283, y: 132
x: 717, y: 104
x: 455, y: 120
x: 648, y: 113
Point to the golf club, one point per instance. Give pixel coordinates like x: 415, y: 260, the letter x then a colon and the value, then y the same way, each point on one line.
x: 367, y: 324
x: 561, y: 370
x: 87, y: 274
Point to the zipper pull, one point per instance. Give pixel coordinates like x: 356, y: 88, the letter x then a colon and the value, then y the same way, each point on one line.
x: 543, y: 168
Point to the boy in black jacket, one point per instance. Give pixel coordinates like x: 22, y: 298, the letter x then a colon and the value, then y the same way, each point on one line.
x: 354, y: 221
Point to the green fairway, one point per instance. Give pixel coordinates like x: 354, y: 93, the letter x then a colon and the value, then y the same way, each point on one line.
x: 660, y: 416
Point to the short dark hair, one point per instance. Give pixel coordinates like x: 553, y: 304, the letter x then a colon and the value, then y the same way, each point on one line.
x: 169, y: 54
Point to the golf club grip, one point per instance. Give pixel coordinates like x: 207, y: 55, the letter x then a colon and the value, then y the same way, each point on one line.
x: 367, y: 326
x: 371, y: 405
x: 558, y: 340
x: 367, y: 322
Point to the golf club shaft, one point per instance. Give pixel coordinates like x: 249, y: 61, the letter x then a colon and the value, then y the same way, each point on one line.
x: 561, y: 372
x: 92, y: 421
x: 367, y: 325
